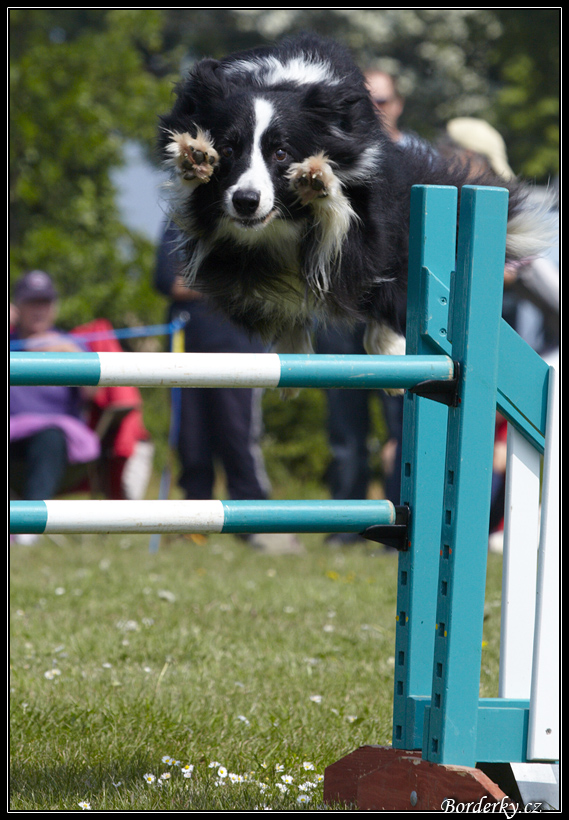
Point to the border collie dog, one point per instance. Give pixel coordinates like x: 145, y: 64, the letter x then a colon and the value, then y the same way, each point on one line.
x: 292, y: 202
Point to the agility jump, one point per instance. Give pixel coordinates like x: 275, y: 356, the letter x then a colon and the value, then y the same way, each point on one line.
x: 463, y: 362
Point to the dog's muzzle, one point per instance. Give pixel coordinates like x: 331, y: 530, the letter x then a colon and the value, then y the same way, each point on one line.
x: 245, y: 205
x: 245, y: 202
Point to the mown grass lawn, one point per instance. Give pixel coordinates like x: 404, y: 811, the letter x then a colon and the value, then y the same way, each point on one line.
x: 203, y: 677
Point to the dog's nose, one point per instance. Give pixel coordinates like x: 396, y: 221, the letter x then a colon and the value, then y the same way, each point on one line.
x: 246, y: 201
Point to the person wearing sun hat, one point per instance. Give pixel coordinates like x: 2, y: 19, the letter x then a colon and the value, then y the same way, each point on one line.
x: 478, y: 138
x: 531, y: 292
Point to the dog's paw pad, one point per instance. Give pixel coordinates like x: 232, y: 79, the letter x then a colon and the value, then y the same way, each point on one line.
x: 195, y: 157
x: 312, y: 179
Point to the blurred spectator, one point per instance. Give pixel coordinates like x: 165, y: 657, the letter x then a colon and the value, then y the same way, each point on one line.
x: 389, y: 104
x: 125, y: 467
x: 217, y: 423
x: 477, y: 142
x: 47, y: 432
x: 531, y: 288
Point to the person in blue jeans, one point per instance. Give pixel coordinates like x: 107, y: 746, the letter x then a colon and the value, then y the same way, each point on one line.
x: 349, y: 427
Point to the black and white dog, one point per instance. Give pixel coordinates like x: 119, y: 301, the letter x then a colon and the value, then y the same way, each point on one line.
x: 292, y: 201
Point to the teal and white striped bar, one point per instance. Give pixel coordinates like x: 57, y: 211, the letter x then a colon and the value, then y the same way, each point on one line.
x: 198, y: 516
x: 227, y: 369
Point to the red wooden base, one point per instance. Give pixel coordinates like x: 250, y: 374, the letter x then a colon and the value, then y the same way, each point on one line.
x: 379, y: 778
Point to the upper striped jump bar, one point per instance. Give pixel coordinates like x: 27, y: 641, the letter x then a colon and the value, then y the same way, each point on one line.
x: 84, y: 516
x: 227, y: 370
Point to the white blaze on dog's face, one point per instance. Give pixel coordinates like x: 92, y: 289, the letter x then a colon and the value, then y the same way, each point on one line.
x: 251, y: 199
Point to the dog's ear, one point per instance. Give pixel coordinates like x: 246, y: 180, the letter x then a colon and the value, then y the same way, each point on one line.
x: 203, y: 83
x: 194, y: 94
x: 333, y: 104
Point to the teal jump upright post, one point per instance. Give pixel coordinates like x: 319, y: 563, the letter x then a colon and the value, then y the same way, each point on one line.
x: 432, y: 243
x: 451, y: 730
x: 446, y: 739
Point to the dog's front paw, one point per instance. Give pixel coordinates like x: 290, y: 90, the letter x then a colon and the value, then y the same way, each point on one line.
x: 312, y: 178
x: 195, y: 158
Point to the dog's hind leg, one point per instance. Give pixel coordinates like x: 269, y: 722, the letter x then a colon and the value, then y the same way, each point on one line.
x: 381, y: 339
x: 296, y: 339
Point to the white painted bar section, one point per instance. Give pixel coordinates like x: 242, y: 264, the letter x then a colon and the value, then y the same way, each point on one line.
x: 191, y: 369
x: 519, y: 570
x: 543, y: 733
x: 134, y: 516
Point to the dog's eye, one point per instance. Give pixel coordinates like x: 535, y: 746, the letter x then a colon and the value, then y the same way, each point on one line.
x: 227, y: 151
x: 280, y: 155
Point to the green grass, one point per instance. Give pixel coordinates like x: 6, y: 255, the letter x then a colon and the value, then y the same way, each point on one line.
x: 202, y: 652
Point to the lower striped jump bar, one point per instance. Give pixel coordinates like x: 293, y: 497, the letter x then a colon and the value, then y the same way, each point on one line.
x: 227, y: 369
x: 199, y: 516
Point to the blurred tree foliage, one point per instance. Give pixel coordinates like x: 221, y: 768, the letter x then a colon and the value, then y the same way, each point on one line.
x: 526, y: 109
x: 80, y: 87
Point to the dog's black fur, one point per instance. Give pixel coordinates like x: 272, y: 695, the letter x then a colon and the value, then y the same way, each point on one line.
x: 292, y: 201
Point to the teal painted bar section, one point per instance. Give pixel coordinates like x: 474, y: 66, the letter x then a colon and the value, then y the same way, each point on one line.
x: 523, y: 378
x: 502, y: 730
x: 323, y: 370
x: 367, y: 372
x: 519, y: 367
x: 28, y: 516
x: 305, y: 516
x: 78, y: 369
x: 431, y: 262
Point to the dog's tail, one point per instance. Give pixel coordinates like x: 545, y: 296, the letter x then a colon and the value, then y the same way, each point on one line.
x: 533, y: 224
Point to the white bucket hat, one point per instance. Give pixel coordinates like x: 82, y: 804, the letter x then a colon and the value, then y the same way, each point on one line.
x: 480, y: 137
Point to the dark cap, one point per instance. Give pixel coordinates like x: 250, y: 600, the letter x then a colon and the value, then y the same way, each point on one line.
x: 34, y: 285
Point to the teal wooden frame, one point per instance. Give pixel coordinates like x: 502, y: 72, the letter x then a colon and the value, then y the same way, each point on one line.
x: 454, y: 334
x: 454, y: 307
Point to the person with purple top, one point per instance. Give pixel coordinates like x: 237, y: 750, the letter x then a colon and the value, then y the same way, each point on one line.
x: 47, y: 431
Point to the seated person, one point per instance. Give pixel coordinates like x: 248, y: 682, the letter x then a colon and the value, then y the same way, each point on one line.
x: 47, y: 431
